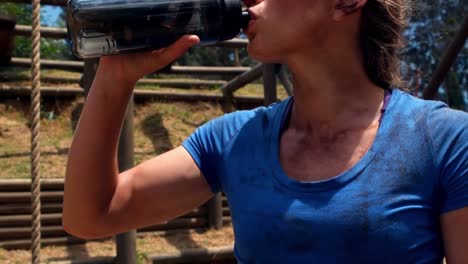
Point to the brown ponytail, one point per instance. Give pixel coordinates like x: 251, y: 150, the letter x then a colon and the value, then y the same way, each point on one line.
x: 381, y: 39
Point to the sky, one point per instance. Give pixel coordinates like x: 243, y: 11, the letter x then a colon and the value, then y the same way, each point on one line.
x: 50, y: 15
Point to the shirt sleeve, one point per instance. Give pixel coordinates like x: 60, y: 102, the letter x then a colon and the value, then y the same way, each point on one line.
x: 206, y: 145
x: 448, y: 132
x: 203, y: 145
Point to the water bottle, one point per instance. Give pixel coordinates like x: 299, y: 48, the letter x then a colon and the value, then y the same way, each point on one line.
x: 105, y: 27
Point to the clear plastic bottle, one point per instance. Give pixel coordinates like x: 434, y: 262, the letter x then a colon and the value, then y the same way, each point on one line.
x: 103, y: 27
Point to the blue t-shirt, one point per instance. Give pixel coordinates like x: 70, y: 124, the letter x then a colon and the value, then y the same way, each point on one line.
x: 385, y: 209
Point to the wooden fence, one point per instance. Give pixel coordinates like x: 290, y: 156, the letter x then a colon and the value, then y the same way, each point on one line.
x: 15, y: 215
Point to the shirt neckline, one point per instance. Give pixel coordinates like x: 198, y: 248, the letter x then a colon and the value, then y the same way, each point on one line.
x: 284, y: 181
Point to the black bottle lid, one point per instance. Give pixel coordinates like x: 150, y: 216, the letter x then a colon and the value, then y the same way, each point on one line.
x: 245, y: 19
x: 233, y: 19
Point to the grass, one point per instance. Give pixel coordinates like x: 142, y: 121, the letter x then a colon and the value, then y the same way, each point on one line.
x: 159, y: 127
x: 253, y: 89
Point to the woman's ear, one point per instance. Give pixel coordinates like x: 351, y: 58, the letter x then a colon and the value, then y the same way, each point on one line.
x: 344, y: 8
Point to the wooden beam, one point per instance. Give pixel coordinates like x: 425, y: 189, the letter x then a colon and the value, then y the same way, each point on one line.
x: 243, y: 79
x: 26, y: 243
x: 225, y: 254
x: 79, y: 65
x: 46, y: 32
x: 9, y: 233
x: 25, y: 220
x: 176, y: 83
x: 57, y: 64
x: 139, y: 94
x: 198, y: 70
x: 25, y: 185
x: 25, y: 208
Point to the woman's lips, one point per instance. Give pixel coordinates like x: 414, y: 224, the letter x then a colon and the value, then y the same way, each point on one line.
x: 253, y: 16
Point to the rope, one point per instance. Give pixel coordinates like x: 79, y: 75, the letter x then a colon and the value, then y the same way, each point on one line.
x: 35, y: 122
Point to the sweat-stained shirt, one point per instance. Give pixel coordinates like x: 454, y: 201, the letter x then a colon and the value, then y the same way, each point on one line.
x: 385, y: 209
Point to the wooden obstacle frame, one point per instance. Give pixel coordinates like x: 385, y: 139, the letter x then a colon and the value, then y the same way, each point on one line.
x: 15, y: 195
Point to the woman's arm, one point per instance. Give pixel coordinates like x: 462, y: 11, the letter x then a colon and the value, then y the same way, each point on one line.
x: 99, y: 201
x: 455, y: 233
x: 448, y: 137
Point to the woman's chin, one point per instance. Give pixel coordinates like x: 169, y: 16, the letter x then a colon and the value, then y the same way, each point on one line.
x: 260, y: 56
x: 262, y: 53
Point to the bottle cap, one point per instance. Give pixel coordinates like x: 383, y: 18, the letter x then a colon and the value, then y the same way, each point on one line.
x: 245, y: 19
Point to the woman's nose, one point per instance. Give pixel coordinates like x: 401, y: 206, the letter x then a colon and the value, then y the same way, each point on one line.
x: 250, y: 3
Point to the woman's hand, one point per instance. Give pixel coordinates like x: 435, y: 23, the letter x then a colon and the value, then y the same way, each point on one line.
x: 129, y: 68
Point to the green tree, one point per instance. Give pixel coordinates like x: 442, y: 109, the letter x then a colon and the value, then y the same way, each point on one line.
x: 50, y: 48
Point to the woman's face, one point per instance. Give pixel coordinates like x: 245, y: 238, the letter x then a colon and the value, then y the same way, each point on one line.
x: 281, y: 28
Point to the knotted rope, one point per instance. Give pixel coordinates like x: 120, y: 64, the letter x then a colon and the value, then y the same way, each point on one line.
x: 35, y: 124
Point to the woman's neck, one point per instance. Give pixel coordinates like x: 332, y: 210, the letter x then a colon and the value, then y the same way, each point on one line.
x: 331, y: 88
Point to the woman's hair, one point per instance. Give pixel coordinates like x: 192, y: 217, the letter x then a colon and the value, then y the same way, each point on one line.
x: 381, y: 39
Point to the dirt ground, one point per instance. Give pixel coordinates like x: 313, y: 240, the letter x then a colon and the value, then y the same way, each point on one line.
x: 159, y: 126
x: 146, y: 245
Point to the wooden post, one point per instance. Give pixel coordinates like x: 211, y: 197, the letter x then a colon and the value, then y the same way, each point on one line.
x: 7, y: 28
x: 197, y: 255
x: 89, y: 72
x: 215, y: 212
x: 126, y: 242
x: 236, y: 57
x: 283, y: 78
x: 269, y: 83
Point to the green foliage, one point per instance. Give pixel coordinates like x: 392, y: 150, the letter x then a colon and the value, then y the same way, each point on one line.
x: 21, y: 12
x: 50, y: 48
x: 142, y: 257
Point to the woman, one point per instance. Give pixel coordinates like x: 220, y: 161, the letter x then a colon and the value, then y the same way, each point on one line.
x: 349, y: 170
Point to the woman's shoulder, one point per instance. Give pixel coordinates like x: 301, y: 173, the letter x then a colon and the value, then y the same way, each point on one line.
x: 223, y: 129
x: 239, y: 119
x: 441, y: 133
x: 431, y: 110
x: 444, y: 129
